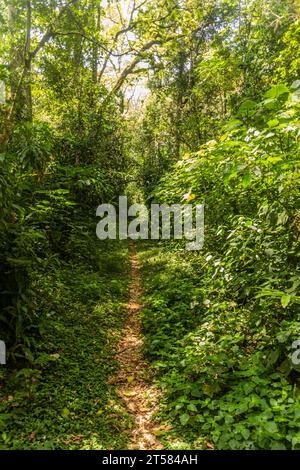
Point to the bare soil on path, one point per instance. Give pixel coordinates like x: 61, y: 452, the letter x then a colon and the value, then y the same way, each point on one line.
x: 133, y: 379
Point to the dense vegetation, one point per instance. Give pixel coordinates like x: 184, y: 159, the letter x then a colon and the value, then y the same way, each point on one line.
x: 168, y: 102
x: 220, y: 326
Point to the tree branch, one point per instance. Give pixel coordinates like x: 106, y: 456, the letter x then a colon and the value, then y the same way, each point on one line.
x: 49, y: 33
x: 130, y: 68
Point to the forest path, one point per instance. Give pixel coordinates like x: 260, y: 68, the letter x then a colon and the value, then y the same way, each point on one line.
x: 133, y: 379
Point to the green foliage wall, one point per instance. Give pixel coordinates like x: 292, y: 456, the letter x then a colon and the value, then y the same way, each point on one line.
x: 224, y: 319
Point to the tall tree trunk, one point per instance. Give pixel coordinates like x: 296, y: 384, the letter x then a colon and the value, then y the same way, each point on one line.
x: 15, y: 61
x: 78, y: 58
x: 179, y: 103
x: 27, y: 65
x: 95, y: 45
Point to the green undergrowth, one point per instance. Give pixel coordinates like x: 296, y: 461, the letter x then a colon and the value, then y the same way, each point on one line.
x: 221, y: 364
x: 222, y: 323
x: 59, y: 398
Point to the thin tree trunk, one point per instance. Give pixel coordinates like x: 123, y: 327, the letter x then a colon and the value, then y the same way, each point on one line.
x: 179, y: 105
x: 96, y: 47
x: 27, y: 65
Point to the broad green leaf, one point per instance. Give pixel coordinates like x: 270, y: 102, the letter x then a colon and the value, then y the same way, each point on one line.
x: 184, y: 419
x: 65, y: 412
x: 273, y: 123
x: 285, y: 300
x: 247, y: 178
x: 276, y: 91
x: 247, y: 108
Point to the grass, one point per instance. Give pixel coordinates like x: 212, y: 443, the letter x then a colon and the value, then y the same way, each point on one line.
x: 63, y: 400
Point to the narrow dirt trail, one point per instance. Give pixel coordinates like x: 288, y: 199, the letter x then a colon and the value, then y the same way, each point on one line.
x: 133, y: 380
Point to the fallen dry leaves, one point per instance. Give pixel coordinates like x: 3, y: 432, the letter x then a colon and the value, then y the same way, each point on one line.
x: 132, y: 380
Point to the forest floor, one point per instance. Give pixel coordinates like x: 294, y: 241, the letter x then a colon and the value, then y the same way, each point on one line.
x: 133, y: 379
x: 64, y: 400
x: 90, y: 386
x: 96, y: 381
